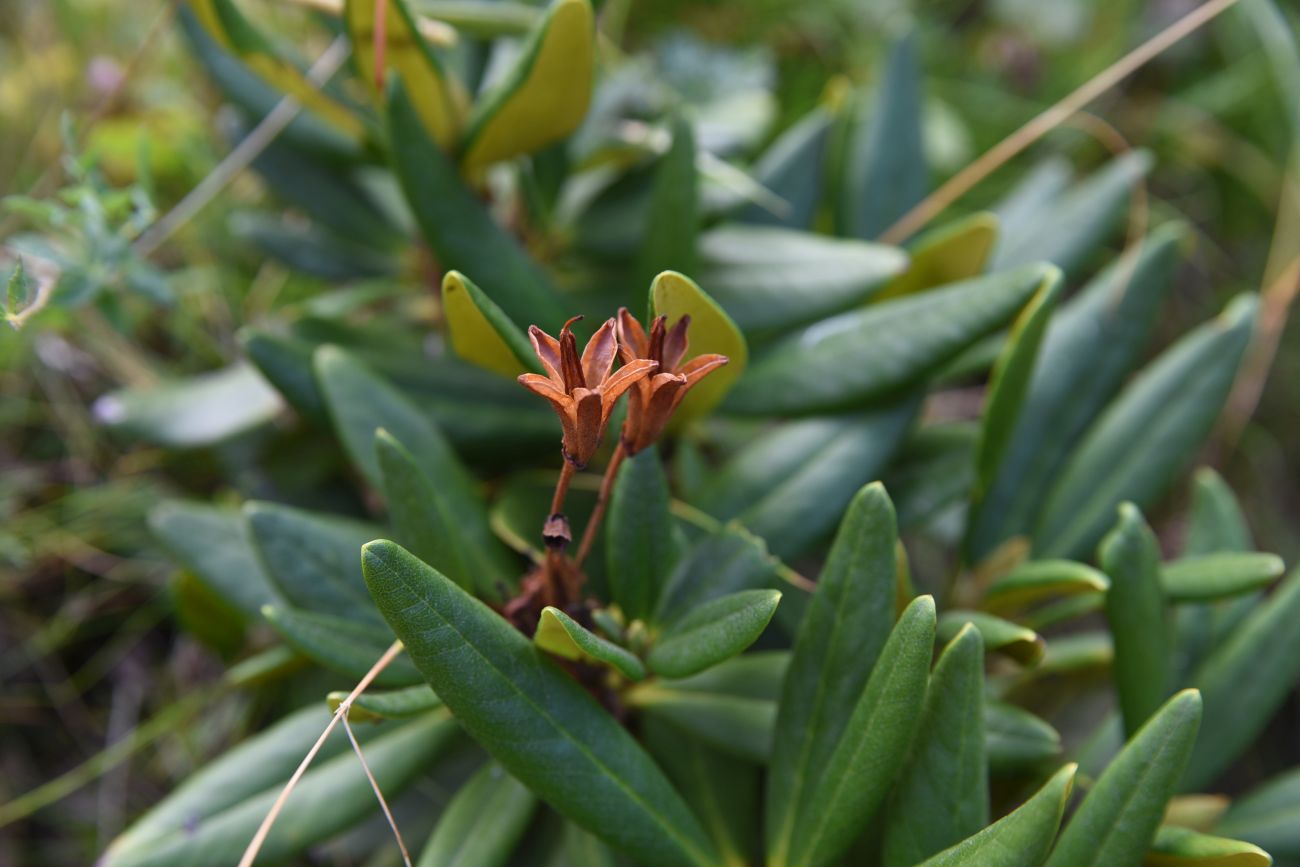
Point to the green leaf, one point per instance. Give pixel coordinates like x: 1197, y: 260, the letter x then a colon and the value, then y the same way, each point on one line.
x: 209, y: 820
x: 560, y: 634
x: 934, y: 470
x: 1246, y: 680
x: 886, y: 172
x: 835, y: 650
x: 955, y: 251
x: 1026, y: 204
x: 1269, y: 816
x: 1092, y: 344
x: 724, y: 562
x: 791, y: 168
x: 941, y: 796
x: 1022, y: 838
x: 867, y: 754
x: 1183, y: 847
x: 722, y: 790
x: 1016, y: 740
x: 1039, y: 580
x: 673, y: 220
x: 543, y: 97
x: 866, y: 355
x: 731, y: 706
x: 191, y: 413
x: 480, y: 332
x: 458, y: 228
x: 216, y: 546
x: 714, y: 632
x: 711, y: 331
x: 1216, y: 523
x: 482, y: 824
x: 428, y: 520
x: 769, y: 278
x: 542, y: 726
x: 1067, y: 228
x: 1147, y: 435
x: 373, y: 705
x: 640, y: 545
x: 792, y: 484
x: 341, y: 645
x: 1009, y: 386
x: 361, y: 402
x: 1135, y: 611
x: 1214, y: 576
x: 16, y: 289
x: 314, y: 560
x: 405, y: 52
x: 316, y: 250
x: 1010, y: 639
x: 234, y: 33
x: 1117, y: 821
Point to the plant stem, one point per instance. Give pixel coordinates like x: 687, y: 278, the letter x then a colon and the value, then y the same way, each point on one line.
x: 562, y: 488
x: 602, y: 503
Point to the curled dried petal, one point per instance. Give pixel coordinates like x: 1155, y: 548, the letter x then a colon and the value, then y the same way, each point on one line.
x: 632, y: 340
x: 598, y: 357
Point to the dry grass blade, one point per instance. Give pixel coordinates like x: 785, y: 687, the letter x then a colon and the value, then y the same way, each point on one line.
x: 255, y: 845
x: 962, y: 182
x: 374, y: 785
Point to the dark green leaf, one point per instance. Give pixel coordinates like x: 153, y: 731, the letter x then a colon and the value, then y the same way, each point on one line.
x: 458, y: 227
x: 1039, y: 580
x: 712, y: 633
x: 941, y: 796
x: 341, y: 645
x: 933, y: 470
x: 1016, y: 740
x: 818, y: 826
x: 725, y: 562
x: 865, y: 355
x: 314, y: 560
x: 837, y: 645
x: 430, y: 523
x: 1183, y: 847
x: 1135, y: 610
x: 791, y: 168
x: 216, y: 546
x: 1022, y: 838
x: 1245, y: 681
x: 1008, y: 388
x: 722, y: 790
x: 1010, y: 639
x: 1216, y: 523
x: 536, y: 721
x: 1093, y: 343
x: 674, y: 220
x: 791, y: 485
x: 1117, y: 821
x: 886, y: 172
x: 1214, y: 576
x: 1268, y: 816
x: 639, y: 543
x: 560, y: 634
x: 1066, y: 229
x: 1136, y: 448
x: 483, y: 822
x: 210, y: 820
x: 374, y: 705
x: 770, y: 278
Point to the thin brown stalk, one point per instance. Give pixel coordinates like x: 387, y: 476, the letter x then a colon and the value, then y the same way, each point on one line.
x: 962, y: 182
x: 255, y: 845
x: 602, y: 503
x: 562, y: 488
x: 374, y: 784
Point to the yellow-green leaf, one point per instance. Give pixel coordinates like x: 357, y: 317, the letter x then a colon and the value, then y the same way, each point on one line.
x: 233, y: 32
x: 957, y: 251
x: 560, y: 634
x: 479, y: 330
x: 1183, y: 847
x: 675, y: 295
x: 544, y: 97
x: 1040, y: 580
x: 438, y: 99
